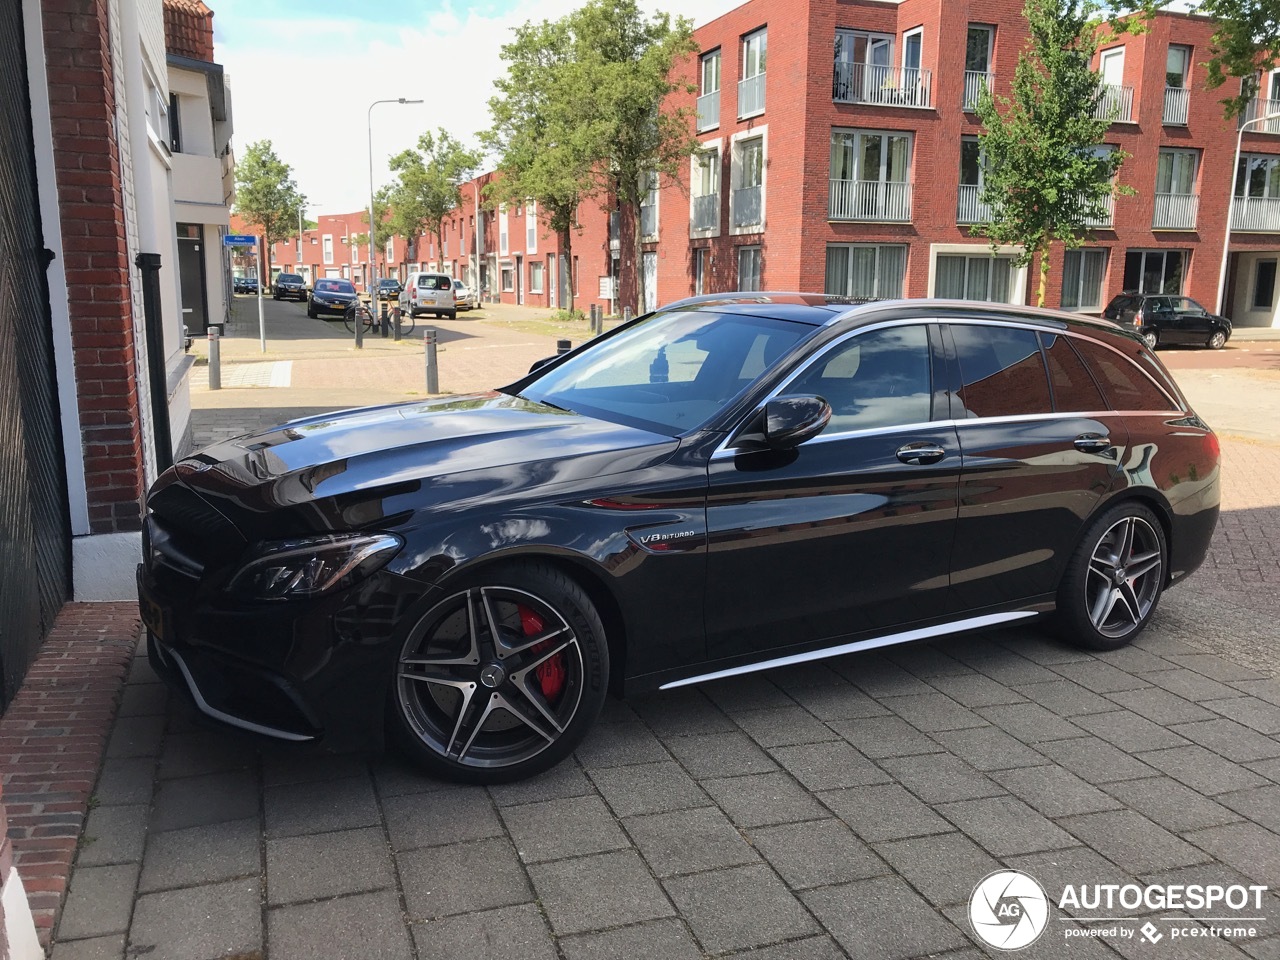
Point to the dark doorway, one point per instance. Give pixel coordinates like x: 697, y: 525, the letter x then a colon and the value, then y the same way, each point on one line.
x: 192, y: 279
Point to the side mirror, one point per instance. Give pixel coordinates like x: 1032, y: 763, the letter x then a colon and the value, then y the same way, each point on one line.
x: 785, y: 423
x: 539, y: 364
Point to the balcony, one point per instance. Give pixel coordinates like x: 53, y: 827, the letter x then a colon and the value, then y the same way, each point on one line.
x: 870, y: 200
x: 748, y: 206
x: 1177, y: 104
x: 648, y: 222
x: 706, y: 212
x: 971, y: 209
x: 1175, y: 211
x: 1116, y: 104
x: 975, y: 81
x: 1107, y: 218
x: 709, y: 111
x: 882, y: 86
x: 1256, y: 215
x: 751, y: 96
x: 1256, y: 109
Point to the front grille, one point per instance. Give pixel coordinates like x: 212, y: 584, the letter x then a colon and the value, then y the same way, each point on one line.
x: 184, y: 537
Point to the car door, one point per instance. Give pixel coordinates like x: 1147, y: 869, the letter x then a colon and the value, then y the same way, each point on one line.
x: 1166, y: 320
x: 1194, y: 320
x: 1039, y: 449
x: 850, y: 533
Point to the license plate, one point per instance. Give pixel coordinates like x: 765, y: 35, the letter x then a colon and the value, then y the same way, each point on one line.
x: 153, y: 615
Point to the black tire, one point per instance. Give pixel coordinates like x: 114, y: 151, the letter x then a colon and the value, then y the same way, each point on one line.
x: 311, y: 312
x: 447, y: 726
x: 406, y: 324
x: 451, y: 315
x: 1151, y: 338
x: 1217, y: 340
x: 1113, y: 585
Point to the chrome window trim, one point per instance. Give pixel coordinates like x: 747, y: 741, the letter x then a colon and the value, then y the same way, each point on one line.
x: 723, y: 451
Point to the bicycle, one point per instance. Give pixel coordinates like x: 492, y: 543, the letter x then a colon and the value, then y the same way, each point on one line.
x: 372, y: 325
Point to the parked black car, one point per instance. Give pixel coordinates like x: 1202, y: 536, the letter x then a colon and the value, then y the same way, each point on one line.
x: 389, y: 288
x: 330, y: 296
x: 729, y: 484
x: 1167, y: 320
x: 289, y: 286
x: 244, y: 285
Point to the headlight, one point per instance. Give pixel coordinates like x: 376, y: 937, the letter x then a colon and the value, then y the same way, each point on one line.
x: 312, y: 566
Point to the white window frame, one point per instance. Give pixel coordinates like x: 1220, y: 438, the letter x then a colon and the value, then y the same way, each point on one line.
x: 701, y: 269
x: 758, y: 250
x: 507, y: 276
x: 761, y: 35
x: 390, y: 252
x: 539, y: 287
x: 1179, y: 154
x: 705, y: 148
x: 326, y: 248
x: 1017, y: 276
x: 882, y: 175
x: 531, y: 227
x: 1188, y: 53
x: 735, y: 170
x: 908, y: 35
x: 504, y: 237
x: 715, y: 56
x: 1110, y: 54
x: 990, y: 31
x: 651, y: 194
x: 1083, y: 253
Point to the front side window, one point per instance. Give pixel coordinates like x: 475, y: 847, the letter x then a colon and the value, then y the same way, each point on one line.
x: 865, y: 270
x: 670, y: 372
x: 876, y: 379
x: 1082, y: 275
x: 1002, y: 371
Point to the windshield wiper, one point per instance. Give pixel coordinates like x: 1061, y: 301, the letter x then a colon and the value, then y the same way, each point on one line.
x: 545, y: 403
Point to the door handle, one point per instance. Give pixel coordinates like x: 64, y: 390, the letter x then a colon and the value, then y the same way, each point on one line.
x: 918, y: 454
x: 1092, y: 443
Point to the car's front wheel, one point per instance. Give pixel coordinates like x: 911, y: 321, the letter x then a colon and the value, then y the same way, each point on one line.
x: 1114, y: 579
x: 502, y: 677
x: 1217, y: 340
x: 311, y: 311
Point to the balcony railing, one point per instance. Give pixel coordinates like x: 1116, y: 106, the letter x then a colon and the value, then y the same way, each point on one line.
x: 709, y: 111
x: 1258, y: 108
x: 1256, y: 214
x: 1108, y: 213
x: 873, y: 200
x: 1116, y: 104
x: 648, y: 222
x: 971, y: 209
x: 747, y: 206
x: 1177, y: 104
x: 1176, y: 211
x: 883, y: 86
x: 751, y: 96
x: 706, y: 212
x: 974, y: 83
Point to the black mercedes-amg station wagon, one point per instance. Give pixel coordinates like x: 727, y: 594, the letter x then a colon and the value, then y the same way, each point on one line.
x: 729, y: 484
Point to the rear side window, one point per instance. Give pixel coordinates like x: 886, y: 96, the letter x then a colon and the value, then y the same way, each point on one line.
x: 1074, y: 390
x: 1002, y: 371
x: 436, y: 283
x: 1126, y: 387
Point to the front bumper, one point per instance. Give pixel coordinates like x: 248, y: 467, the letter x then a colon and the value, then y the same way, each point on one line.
x: 340, y: 308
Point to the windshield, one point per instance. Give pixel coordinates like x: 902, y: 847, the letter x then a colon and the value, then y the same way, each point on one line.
x: 670, y: 373
x: 388, y: 283
x: 290, y: 278
x: 335, y: 286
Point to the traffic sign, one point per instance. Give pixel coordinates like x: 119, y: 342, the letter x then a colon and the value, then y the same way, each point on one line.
x: 239, y: 240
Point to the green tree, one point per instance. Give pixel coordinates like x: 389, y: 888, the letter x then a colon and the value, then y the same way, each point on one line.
x: 425, y: 191
x: 1044, y: 178
x: 1246, y: 39
x: 540, y: 134
x: 266, y: 195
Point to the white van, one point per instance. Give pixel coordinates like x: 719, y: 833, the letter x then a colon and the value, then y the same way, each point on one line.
x: 428, y: 293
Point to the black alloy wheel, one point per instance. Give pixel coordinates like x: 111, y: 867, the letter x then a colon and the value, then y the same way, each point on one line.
x: 1114, y: 580
x: 501, y: 678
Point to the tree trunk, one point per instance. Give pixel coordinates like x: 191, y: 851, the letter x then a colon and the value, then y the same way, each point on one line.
x: 638, y: 238
x: 1044, y: 275
x: 564, y: 276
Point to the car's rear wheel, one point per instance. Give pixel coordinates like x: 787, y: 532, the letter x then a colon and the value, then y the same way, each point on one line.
x: 1114, y: 579
x: 502, y: 677
x: 1151, y: 338
x: 1217, y: 340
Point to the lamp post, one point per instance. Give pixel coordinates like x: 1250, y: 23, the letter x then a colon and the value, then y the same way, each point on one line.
x: 1231, y: 203
x: 373, y: 261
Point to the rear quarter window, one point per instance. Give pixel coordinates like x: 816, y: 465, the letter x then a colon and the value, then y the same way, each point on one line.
x: 1124, y: 385
x: 1002, y: 370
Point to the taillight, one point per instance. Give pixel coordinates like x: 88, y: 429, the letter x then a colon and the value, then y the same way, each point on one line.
x: 1137, y: 319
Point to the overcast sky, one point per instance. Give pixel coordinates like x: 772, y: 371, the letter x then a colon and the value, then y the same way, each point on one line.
x: 303, y: 73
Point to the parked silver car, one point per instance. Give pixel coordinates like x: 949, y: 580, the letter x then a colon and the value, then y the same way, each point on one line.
x: 464, y: 296
x: 428, y: 293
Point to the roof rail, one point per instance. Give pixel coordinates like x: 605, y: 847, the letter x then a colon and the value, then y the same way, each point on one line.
x: 763, y: 296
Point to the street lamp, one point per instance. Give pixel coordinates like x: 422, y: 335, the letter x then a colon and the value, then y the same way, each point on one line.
x: 1231, y: 203
x: 373, y: 260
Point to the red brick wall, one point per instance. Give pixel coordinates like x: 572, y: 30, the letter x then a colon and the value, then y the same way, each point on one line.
x: 82, y: 107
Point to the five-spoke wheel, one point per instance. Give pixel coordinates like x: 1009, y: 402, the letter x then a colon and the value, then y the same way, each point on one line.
x: 501, y: 678
x: 1115, y: 578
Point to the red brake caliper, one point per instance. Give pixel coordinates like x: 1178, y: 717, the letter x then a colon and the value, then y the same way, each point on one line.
x: 550, y: 673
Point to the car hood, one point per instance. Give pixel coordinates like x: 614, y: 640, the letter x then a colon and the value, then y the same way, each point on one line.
x: 365, y: 467
x: 335, y: 294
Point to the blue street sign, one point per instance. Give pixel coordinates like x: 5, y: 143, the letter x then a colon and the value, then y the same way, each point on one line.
x: 239, y: 240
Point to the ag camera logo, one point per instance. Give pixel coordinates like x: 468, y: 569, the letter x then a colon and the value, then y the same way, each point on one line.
x: 1008, y: 910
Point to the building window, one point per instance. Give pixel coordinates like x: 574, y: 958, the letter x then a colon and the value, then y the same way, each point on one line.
x: 1177, y: 67
x: 503, y: 241
x: 751, y: 86
x: 701, y: 256
x: 1264, y: 285
x: 508, y: 278
x: 1154, y: 271
x: 157, y: 112
x: 327, y: 242
x: 704, y: 190
x: 1176, y: 172
x: 575, y: 276
x: 1111, y: 66
x: 748, y: 182
x: 982, y: 277
x: 531, y: 227
x: 711, y: 72
x: 390, y: 252
x: 1082, y: 275
x: 535, y: 277
x: 649, y: 208
x: 175, y: 124
x: 1258, y: 177
x: 709, y: 100
x: 748, y: 268
x: 870, y: 176
x: 866, y: 270
x: 863, y: 63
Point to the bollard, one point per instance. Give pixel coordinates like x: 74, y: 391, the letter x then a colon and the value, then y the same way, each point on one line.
x: 433, y: 366
x: 563, y: 347
x: 395, y: 321
x: 215, y: 359
x: 626, y: 314
x: 595, y: 319
x: 385, y: 322
x: 359, y: 324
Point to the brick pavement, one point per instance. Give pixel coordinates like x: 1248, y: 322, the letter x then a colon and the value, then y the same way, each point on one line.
x: 838, y: 809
